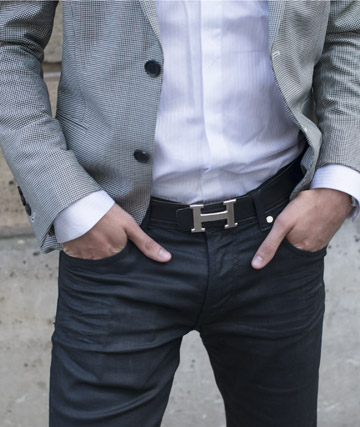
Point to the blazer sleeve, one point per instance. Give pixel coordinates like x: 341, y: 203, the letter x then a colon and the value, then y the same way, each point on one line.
x: 337, y: 87
x: 49, y: 176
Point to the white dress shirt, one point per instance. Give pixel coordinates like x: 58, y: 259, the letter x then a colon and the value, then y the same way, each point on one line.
x: 222, y: 126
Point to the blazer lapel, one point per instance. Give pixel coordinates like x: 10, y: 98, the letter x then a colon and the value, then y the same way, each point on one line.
x: 276, y: 10
x: 149, y: 9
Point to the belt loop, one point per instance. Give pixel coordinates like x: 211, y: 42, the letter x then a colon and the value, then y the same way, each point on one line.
x: 260, y: 211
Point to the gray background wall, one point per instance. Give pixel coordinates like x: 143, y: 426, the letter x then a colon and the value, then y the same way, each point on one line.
x: 27, y: 306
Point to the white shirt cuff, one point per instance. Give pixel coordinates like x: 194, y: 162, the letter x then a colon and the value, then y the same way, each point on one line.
x: 78, y: 218
x: 341, y: 178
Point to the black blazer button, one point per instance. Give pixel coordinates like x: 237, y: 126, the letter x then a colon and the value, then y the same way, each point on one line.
x: 153, y: 68
x: 28, y: 209
x: 141, y: 156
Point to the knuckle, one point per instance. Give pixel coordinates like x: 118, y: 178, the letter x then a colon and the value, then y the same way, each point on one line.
x: 129, y: 226
x: 128, y: 222
x: 133, y: 231
x: 150, y: 245
x: 307, y: 245
x: 266, y: 249
x: 281, y: 222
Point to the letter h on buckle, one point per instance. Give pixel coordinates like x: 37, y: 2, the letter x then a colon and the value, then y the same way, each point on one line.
x: 199, y: 217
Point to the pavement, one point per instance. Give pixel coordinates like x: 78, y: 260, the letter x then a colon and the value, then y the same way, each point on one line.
x: 28, y: 295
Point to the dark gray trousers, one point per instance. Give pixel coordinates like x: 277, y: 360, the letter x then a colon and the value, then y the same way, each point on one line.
x: 120, y: 322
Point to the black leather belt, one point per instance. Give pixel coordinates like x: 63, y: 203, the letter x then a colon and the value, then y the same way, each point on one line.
x: 229, y: 212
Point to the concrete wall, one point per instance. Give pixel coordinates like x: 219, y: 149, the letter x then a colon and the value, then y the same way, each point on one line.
x: 53, y: 50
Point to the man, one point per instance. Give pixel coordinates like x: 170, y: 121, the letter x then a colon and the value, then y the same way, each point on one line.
x: 249, y: 103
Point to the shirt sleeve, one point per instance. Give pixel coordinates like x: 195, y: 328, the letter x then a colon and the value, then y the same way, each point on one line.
x: 341, y: 178
x: 81, y: 216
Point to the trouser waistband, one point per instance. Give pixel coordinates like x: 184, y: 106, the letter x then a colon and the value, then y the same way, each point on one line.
x: 229, y: 213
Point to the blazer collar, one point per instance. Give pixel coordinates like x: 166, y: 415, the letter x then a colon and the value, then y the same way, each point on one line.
x: 276, y: 10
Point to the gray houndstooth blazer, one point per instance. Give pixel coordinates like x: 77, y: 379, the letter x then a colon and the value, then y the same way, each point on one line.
x: 107, y: 103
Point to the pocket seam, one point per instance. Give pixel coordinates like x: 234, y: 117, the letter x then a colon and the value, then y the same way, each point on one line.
x: 302, y: 252
x: 95, y: 262
x: 71, y: 121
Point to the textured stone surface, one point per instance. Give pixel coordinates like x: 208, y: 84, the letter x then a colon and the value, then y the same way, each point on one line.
x: 27, y: 297
x: 53, y: 51
x: 27, y: 306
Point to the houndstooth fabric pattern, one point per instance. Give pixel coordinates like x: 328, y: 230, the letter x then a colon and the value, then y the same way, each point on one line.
x: 107, y: 103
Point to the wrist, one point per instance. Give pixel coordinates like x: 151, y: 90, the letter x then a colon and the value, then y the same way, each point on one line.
x: 337, y: 198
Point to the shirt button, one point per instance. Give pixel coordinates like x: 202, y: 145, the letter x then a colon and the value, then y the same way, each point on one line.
x: 141, y: 156
x: 153, y: 68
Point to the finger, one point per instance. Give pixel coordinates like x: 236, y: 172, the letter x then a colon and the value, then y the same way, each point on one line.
x: 270, y: 245
x: 65, y: 249
x: 146, y: 244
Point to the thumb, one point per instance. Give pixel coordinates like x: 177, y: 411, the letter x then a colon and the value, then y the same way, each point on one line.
x: 270, y: 245
x: 146, y: 244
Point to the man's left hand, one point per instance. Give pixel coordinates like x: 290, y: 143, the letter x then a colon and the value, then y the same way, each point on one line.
x: 309, y: 222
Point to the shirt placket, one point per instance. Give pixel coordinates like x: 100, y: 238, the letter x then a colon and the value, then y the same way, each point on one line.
x: 211, y: 42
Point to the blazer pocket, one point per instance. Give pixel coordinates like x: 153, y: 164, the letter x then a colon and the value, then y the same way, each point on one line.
x: 67, y: 121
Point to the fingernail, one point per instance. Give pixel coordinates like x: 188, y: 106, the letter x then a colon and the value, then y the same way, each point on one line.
x: 257, y: 261
x: 164, y: 255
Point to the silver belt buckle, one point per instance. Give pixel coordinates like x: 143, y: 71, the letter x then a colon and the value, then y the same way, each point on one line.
x: 199, y: 217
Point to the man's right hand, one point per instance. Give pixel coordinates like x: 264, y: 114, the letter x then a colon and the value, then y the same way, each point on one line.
x: 110, y: 235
